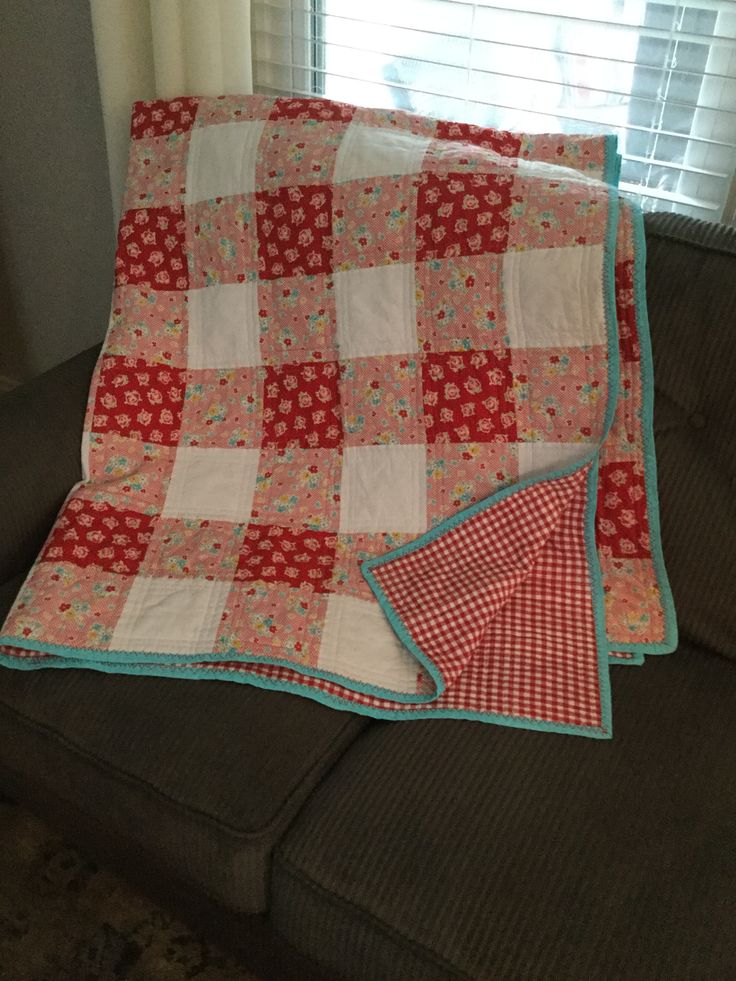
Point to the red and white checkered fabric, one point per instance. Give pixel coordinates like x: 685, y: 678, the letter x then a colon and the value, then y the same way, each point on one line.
x: 347, y: 349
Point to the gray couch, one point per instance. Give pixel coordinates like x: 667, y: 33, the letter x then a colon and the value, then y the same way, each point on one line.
x: 319, y: 844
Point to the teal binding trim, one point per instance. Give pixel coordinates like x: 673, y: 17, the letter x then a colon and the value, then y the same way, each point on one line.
x: 88, y: 658
x: 333, y: 701
x: 669, y: 644
x: 630, y: 662
x: 596, y: 589
x: 89, y: 654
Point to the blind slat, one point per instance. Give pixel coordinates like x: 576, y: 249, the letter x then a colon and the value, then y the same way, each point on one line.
x: 525, y: 78
x: 498, y: 105
x: 264, y: 34
x: 654, y: 192
x: 671, y: 165
x: 639, y: 30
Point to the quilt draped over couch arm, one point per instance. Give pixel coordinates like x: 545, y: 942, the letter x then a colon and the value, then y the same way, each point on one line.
x: 372, y: 421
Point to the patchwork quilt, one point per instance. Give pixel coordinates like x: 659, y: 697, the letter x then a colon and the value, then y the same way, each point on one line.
x: 372, y: 422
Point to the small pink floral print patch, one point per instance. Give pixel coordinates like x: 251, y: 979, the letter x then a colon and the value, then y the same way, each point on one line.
x: 221, y: 238
x: 190, y: 547
x: 468, y: 397
x: 622, y: 527
x: 222, y: 407
x: 372, y: 220
x: 632, y: 601
x: 271, y: 553
x: 139, y: 400
x: 95, y: 533
x: 150, y: 249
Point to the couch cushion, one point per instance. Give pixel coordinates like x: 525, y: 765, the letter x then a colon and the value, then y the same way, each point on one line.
x: 203, y: 776
x: 691, y: 289
x: 440, y: 850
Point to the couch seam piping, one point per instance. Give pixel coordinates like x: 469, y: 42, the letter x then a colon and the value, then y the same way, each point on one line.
x: 109, y: 769
x: 386, y: 928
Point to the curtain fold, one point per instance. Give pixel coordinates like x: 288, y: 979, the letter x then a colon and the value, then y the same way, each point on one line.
x: 148, y: 49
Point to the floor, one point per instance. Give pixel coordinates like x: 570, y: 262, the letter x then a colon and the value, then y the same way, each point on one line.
x: 64, y: 919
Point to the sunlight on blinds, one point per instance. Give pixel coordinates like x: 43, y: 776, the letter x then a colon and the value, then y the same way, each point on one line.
x: 661, y: 75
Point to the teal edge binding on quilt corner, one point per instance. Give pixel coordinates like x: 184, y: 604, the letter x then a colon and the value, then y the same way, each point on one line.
x: 605, y: 730
x: 332, y: 701
x: 669, y: 644
x: 141, y: 661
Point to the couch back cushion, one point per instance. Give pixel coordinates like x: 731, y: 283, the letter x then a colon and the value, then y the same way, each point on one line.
x: 691, y: 287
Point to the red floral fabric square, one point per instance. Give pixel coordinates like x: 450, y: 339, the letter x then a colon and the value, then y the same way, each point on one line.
x: 468, y: 397
x: 162, y: 118
x: 140, y: 400
x: 318, y: 109
x: 294, y: 231
x: 301, y: 405
x: 622, y: 526
x: 151, y: 249
x: 271, y: 553
x: 462, y: 214
x: 500, y: 141
x: 628, y: 340
x: 96, y: 533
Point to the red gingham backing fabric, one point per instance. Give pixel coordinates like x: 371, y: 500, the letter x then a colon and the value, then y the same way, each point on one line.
x: 363, y: 426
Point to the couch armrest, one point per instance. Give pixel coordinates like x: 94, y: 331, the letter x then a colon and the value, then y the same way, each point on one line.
x: 40, y: 438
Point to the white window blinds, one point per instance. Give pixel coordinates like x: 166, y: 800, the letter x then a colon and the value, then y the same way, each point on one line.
x: 662, y: 75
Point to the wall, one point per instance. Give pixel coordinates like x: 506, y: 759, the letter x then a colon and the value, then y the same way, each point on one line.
x: 56, y: 224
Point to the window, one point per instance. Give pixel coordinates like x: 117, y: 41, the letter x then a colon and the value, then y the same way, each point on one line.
x: 662, y: 75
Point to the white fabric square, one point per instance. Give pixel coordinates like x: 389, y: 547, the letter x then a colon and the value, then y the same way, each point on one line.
x: 384, y: 488
x: 376, y: 311
x: 359, y: 643
x: 222, y: 160
x: 212, y: 482
x: 170, y: 616
x: 224, y: 328
x: 554, y: 297
x: 367, y: 151
x: 537, y: 459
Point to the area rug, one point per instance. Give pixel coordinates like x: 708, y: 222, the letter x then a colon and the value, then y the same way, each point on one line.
x: 372, y: 422
x: 64, y: 919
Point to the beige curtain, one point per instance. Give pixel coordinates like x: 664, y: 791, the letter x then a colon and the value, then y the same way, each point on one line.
x: 149, y: 49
